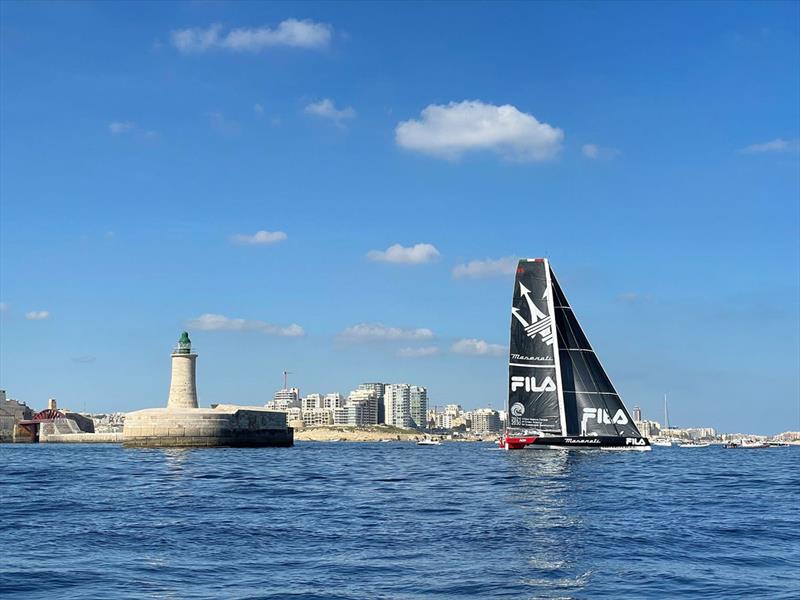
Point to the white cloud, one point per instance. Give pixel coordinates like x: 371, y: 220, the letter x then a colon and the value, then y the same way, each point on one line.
x: 418, y: 352
x: 37, y: 315
x: 476, y: 269
x: 777, y: 145
x: 377, y: 332
x: 259, y: 238
x: 130, y: 128
x: 475, y: 347
x: 213, y: 322
x: 450, y: 131
x: 327, y: 110
x: 291, y: 32
x: 594, y: 151
x: 412, y: 255
x: 634, y: 298
x: 117, y: 127
x: 223, y: 125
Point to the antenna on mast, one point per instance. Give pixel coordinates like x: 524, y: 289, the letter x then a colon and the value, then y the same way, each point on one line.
x: 286, y: 379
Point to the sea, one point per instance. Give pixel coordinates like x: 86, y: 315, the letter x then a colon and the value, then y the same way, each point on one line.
x: 395, y: 520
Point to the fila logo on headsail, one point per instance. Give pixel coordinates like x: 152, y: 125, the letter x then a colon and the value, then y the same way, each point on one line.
x: 539, y: 323
x: 530, y: 384
x: 602, y: 417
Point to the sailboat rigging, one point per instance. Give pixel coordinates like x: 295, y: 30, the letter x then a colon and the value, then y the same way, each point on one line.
x: 559, y: 394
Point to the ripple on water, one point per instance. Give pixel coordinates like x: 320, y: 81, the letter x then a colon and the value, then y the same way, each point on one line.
x: 397, y: 521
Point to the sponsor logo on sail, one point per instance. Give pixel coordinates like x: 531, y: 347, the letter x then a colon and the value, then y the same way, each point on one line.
x: 531, y: 385
x: 517, y: 409
x: 602, y: 417
x: 537, y: 323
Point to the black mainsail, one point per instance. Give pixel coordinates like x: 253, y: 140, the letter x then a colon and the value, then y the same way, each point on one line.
x: 557, y: 386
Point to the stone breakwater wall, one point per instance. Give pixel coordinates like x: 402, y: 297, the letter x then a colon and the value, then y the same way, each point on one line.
x: 224, y: 425
x: 81, y: 438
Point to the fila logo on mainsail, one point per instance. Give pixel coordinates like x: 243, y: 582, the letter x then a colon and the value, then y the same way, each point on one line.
x: 538, y: 323
x: 530, y: 384
x: 602, y: 417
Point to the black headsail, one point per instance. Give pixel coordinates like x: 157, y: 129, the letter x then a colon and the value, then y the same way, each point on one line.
x: 534, y: 400
x: 591, y: 404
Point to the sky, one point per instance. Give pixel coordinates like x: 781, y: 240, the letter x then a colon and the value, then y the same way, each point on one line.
x: 341, y: 190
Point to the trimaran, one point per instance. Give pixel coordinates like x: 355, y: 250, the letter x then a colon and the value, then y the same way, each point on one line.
x: 559, y: 395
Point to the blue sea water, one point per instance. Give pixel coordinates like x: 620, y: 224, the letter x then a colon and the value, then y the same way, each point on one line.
x: 396, y: 520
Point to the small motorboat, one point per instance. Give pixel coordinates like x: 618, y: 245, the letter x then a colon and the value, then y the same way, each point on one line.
x: 661, y: 442
x: 694, y: 445
x: 429, y: 442
x: 747, y: 444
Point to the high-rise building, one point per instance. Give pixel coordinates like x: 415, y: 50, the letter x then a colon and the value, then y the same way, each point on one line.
x: 379, y: 390
x: 397, y: 401
x: 637, y: 413
x: 418, y: 406
x: 369, y: 403
x: 485, y: 420
x: 284, y: 399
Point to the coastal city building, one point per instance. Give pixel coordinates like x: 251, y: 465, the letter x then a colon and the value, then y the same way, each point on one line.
x: 284, y: 399
x: 397, y: 401
x: 369, y: 403
x: 418, y: 406
x: 312, y: 401
x: 317, y: 417
x: 333, y: 401
x: 485, y: 420
x: 378, y: 389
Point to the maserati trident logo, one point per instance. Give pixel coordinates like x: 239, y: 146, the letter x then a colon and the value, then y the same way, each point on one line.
x: 517, y: 409
x: 537, y: 323
x: 531, y: 385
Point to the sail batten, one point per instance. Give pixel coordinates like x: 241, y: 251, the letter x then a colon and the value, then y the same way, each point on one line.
x: 569, y: 392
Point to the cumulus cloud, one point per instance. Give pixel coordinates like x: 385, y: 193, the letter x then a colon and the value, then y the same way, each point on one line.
x: 777, y: 145
x: 474, y: 347
x: 326, y: 109
x: 378, y: 332
x: 448, y: 131
x: 259, y: 238
x: 418, y: 352
x: 476, y: 269
x: 594, y: 152
x: 292, y: 33
x: 213, y: 322
x: 37, y: 315
x: 411, y: 255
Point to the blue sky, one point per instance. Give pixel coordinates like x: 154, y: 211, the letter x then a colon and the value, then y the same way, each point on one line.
x: 650, y: 150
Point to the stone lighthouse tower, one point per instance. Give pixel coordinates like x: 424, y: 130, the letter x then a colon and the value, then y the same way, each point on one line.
x: 183, y: 387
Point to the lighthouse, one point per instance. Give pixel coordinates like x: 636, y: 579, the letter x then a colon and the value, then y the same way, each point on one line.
x: 183, y: 386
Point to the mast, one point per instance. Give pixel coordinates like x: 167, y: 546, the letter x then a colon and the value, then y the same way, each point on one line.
x: 666, y: 414
x: 559, y: 386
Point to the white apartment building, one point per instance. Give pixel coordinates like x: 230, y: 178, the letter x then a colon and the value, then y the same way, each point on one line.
x: 312, y: 401
x: 379, y: 390
x: 284, y: 399
x: 333, y: 401
x: 317, y: 417
x: 369, y: 403
x: 418, y: 406
x: 397, y: 399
